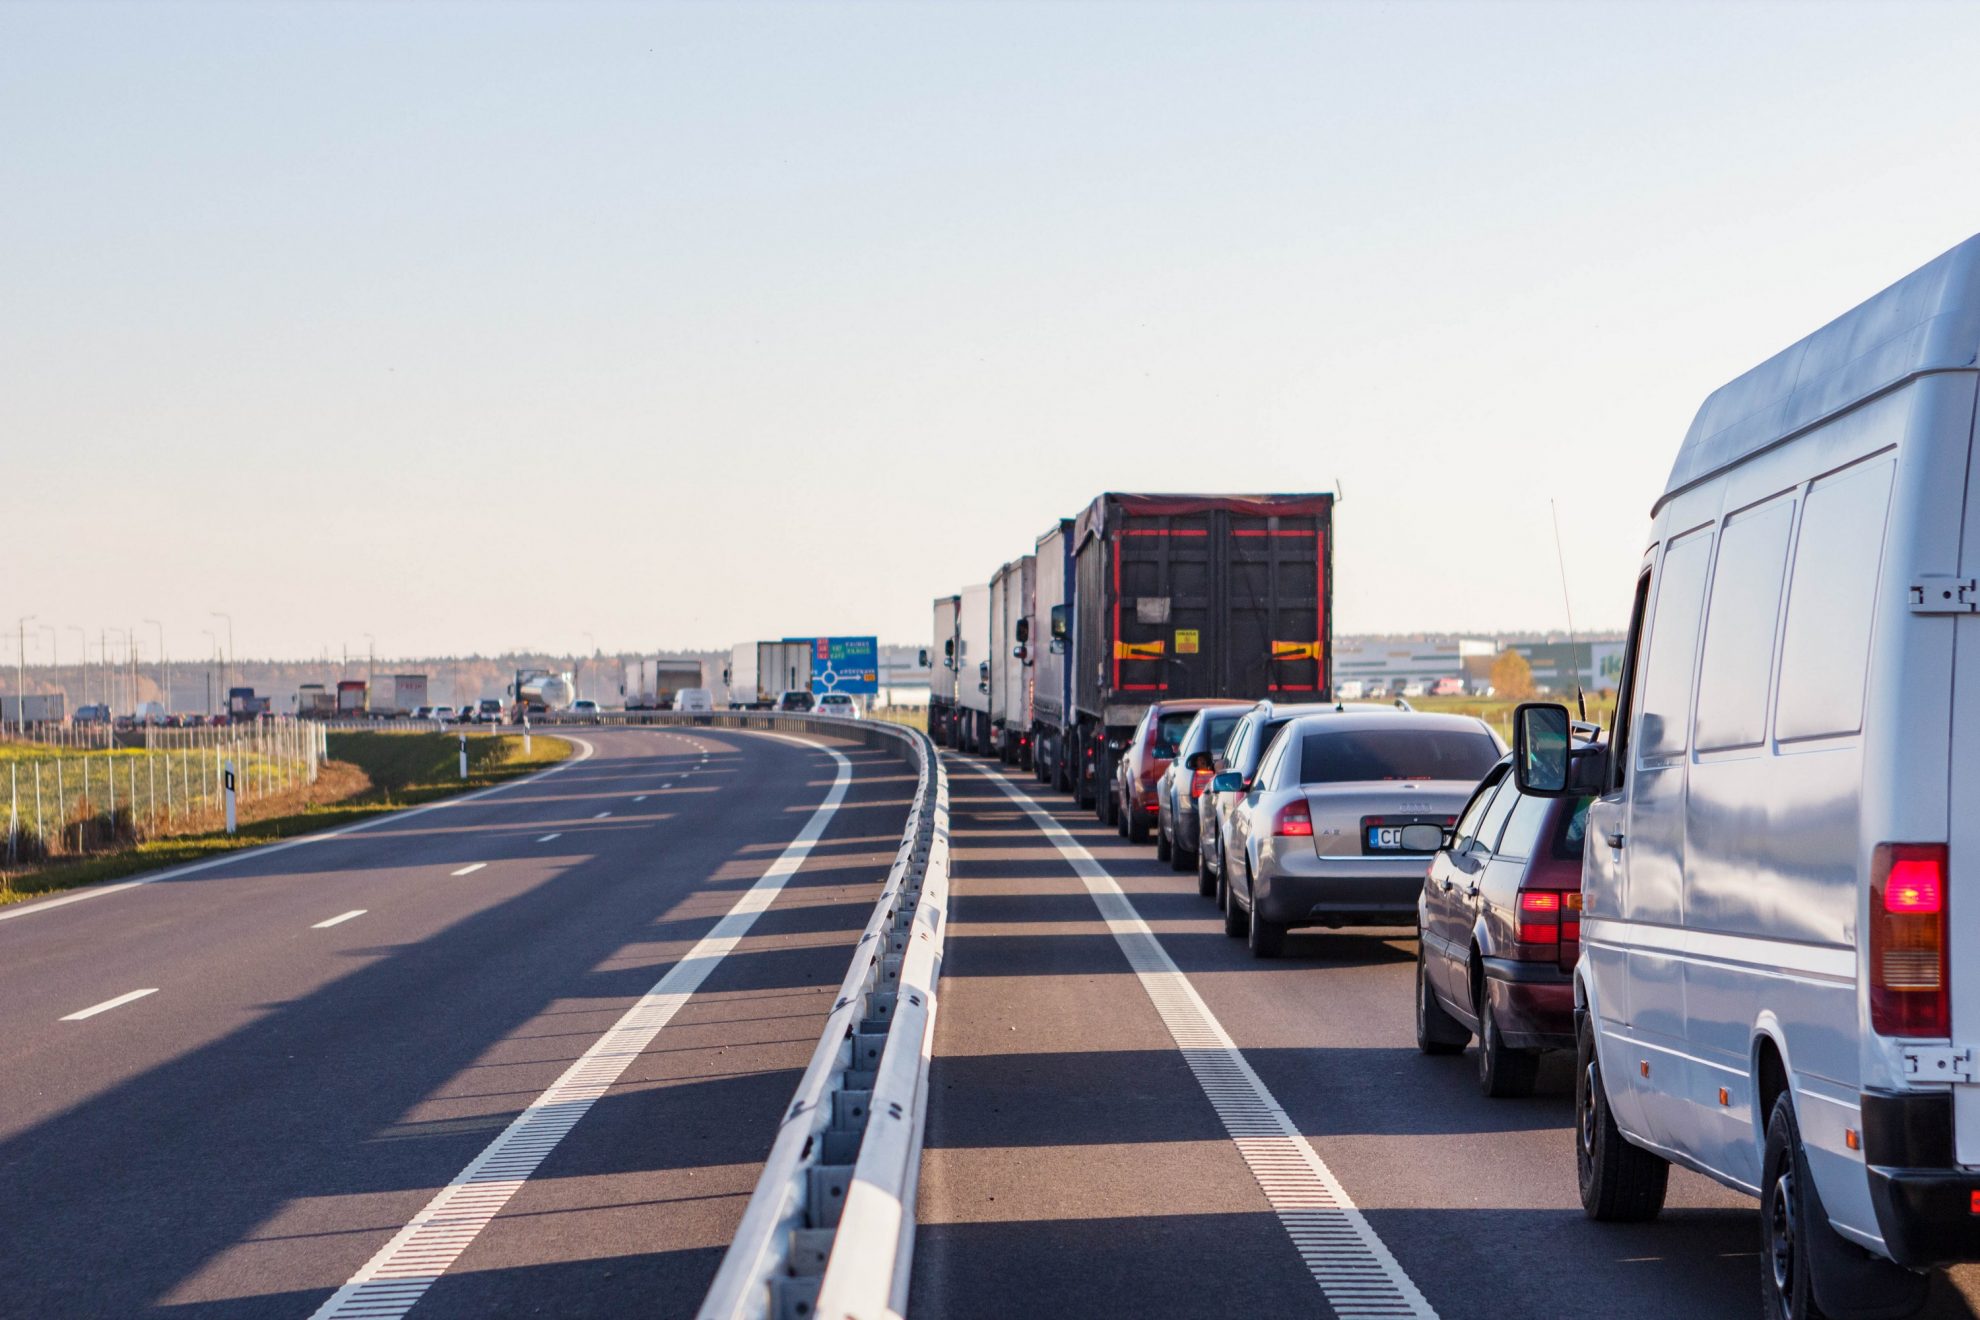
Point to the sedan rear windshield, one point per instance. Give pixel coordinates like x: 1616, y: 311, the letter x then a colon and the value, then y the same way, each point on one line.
x: 1169, y: 730
x: 1345, y: 756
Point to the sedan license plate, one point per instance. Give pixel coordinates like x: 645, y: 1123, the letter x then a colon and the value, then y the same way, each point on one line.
x: 1385, y: 838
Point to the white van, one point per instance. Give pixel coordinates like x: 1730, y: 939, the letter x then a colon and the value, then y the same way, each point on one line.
x: 695, y: 701
x: 1765, y: 991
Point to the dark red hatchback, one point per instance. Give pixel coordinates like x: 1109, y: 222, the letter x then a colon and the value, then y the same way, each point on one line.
x: 1501, y: 929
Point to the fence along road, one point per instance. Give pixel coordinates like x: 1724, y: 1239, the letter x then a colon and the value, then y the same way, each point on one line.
x: 291, y: 1091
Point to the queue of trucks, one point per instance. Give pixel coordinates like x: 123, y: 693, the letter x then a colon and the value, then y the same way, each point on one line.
x: 1052, y: 661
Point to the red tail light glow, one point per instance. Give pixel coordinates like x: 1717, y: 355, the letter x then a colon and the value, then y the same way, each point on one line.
x: 1908, y: 991
x: 1540, y: 917
x: 1294, y: 821
x: 1198, y: 781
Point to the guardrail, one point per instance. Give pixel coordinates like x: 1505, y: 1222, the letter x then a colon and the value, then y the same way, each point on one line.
x: 831, y: 1222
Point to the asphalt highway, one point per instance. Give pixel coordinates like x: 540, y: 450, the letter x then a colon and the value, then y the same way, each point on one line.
x: 231, y: 1093
x: 1131, y: 1116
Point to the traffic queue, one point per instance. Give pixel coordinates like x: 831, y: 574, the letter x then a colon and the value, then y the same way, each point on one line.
x: 1739, y: 906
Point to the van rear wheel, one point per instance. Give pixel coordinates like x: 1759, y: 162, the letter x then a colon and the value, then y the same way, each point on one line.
x: 1620, y: 1183
x: 1807, y: 1270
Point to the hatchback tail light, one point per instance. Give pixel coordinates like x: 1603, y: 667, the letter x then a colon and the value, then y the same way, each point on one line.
x: 1540, y: 920
x: 1908, y: 991
x: 1198, y: 781
x: 1294, y: 821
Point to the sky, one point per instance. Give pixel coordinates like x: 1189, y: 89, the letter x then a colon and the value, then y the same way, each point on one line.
x: 467, y: 327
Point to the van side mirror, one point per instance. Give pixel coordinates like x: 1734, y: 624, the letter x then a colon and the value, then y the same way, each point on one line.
x: 1227, y: 781
x: 1023, y: 631
x: 924, y: 660
x: 1540, y: 748
x: 1058, y: 624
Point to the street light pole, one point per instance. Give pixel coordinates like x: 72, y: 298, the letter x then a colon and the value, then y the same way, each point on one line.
x: 228, y: 664
x: 586, y: 671
x: 82, y: 658
x: 20, y: 677
x: 213, y: 647
x: 163, y: 663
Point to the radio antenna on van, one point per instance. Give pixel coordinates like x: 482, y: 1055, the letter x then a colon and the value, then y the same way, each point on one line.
x: 1574, y: 647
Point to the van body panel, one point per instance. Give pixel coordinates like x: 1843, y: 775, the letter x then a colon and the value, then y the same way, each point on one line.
x: 1795, y: 705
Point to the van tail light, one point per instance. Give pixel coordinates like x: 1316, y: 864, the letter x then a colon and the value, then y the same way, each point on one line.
x: 1198, y: 781
x: 1294, y: 821
x: 1540, y: 921
x: 1908, y: 991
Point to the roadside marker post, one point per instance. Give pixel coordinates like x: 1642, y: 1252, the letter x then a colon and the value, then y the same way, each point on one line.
x: 525, y: 734
x: 227, y: 792
x: 464, y: 756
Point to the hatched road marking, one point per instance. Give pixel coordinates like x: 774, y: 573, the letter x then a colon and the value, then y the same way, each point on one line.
x: 394, y: 1279
x: 1355, y: 1271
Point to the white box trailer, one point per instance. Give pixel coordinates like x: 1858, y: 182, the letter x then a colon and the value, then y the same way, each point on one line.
x: 782, y: 667
x: 941, y: 663
x: 35, y: 708
x: 671, y: 676
x: 636, y: 685
x: 1779, y: 897
x: 1051, y: 656
x: 398, y: 694
x: 740, y: 677
x: 973, y: 670
x: 1013, y: 594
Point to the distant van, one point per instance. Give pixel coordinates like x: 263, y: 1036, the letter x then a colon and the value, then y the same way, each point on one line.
x: 1767, y: 991
x: 694, y: 701
x: 1352, y: 689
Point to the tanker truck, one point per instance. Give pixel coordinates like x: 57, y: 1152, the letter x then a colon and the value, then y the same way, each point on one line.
x: 540, y: 692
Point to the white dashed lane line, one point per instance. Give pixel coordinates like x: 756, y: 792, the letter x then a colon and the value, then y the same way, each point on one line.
x: 339, y: 919
x: 109, y: 1004
x: 640, y: 798
x: 546, y: 838
x: 601, y: 815
x: 469, y: 869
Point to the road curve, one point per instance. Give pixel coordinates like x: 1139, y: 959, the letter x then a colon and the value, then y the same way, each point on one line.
x: 225, y: 1093
x: 1094, y: 1149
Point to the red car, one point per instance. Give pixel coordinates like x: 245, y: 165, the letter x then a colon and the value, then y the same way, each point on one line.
x: 1501, y: 928
x: 1148, y: 753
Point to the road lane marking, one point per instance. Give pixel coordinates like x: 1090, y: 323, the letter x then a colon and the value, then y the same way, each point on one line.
x: 394, y: 1279
x: 469, y: 869
x: 640, y: 798
x: 339, y: 920
x: 109, y: 1004
x: 601, y: 815
x: 585, y: 752
x: 546, y: 838
x: 1340, y: 1248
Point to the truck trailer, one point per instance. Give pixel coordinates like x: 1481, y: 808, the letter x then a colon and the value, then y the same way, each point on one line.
x: 393, y: 695
x: 740, y: 677
x: 941, y: 664
x: 1013, y: 592
x: 782, y: 667
x: 652, y: 684
x: 315, y: 702
x: 540, y: 692
x: 973, y: 671
x: 34, y: 708
x: 1051, y: 657
x: 1181, y: 596
x: 353, y: 697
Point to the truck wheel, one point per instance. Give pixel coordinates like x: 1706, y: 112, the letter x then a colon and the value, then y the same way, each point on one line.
x: 1206, y: 879
x: 1620, y: 1183
x: 1807, y: 1269
x: 1437, y: 1032
x: 1502, y: 1070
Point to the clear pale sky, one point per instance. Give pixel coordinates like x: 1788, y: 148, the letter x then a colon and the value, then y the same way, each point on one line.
x: 483, y: 326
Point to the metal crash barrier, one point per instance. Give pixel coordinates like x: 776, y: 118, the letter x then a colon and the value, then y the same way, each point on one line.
x: 829, y: 1230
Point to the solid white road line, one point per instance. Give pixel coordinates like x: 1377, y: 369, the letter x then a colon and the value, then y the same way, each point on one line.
x: 1353, y: 1267
x: 585, y: 751
x: 555, y: 835
x: 339, y: 920
x: 404, y: 1268
x: 109, y: 1004
x: 469, y: 869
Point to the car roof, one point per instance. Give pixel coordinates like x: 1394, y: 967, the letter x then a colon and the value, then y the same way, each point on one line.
x: 1381, y: 718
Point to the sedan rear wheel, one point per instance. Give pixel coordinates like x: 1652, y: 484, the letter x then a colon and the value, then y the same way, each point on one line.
x: 1267, y: 939
x: 1235, y: 924
x: 1206, y: 879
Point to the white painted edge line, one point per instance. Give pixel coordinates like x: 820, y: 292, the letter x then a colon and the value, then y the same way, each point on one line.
x: 1340, y: 1248
x: 394, y: 1279
x: 109, y: 1004
x: 340, y: 919
x: 585, y: 751
x: 469, y: 869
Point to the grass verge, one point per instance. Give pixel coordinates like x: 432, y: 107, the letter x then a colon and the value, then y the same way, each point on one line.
x: 368, y: 774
